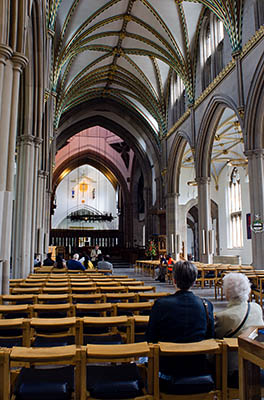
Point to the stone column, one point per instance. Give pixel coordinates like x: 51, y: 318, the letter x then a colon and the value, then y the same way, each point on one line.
x: 23, y: 226
x: 204, y: 220
x: 5, y: 54
x: 41, y: 210
x: 37, y: 142
x: 171, y: 224
x: 256, y: 188
x: 19, y: 61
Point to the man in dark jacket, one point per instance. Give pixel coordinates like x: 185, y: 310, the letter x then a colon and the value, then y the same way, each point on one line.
x: 74, y: 263
x: 181, y: 318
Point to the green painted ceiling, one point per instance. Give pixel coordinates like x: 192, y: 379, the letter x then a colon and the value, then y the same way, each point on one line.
x: 128, y: 50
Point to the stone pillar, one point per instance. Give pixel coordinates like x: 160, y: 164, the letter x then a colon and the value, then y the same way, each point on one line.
x: 41, y: 211
x: 171, y: 224
x: 23, y: 225
x: 8, y: 129
x: 256, y: 188
x: 204, y: 220
x: 37, y: 142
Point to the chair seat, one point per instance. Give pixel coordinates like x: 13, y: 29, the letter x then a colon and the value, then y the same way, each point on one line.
x: 186, y: 385
x: 114, y: 382
x: 43, y: 384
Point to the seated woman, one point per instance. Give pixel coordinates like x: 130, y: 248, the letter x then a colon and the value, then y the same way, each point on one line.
x: 181, y: 318
x: 239, y: 314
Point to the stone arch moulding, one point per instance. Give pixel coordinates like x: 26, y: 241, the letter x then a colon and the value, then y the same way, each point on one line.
x: 174, y: 160
x: 206, y: 132
x: 254, y: 118
x: 96, y: 160
x: 125, y: 123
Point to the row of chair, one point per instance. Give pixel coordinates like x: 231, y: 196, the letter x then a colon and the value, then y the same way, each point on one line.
x: 115, y: 372
x: 60, y: 310
x: 80, y: 298
x: 48, y: 332
x: 82, y: 289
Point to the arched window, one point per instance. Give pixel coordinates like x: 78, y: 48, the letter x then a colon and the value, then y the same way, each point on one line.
x: 206, y: 54
x: 259, y: 13
x: 211, y: 44
x: 177, y: 98
x: 236, y: 231
x: 220, y: 33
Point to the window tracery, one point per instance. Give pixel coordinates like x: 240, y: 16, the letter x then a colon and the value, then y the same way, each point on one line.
x: 235, y: 207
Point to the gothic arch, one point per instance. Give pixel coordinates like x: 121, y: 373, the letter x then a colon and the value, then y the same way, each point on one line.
x: 206, y: 132
x: 174, y: 161
x: 254, y: 118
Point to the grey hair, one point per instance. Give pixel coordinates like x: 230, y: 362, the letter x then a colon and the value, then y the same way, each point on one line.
x: 236, y: 286
x: 76, y: 256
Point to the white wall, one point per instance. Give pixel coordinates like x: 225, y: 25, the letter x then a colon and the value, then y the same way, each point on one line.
x: 104, y: 202
x: 221, y: 198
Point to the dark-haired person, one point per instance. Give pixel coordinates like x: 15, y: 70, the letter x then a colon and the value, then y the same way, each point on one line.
x: 181, y: 318
x: 48, y: 262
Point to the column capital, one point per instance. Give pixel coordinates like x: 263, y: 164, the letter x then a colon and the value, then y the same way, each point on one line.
x: 201, y: 180
x: 25, y: 139
x: 257, y: 153
x: 5, y: 53
x: 172, y: 195
x: 38, y: 141
x: 19, y: 61
x: 42, y: 173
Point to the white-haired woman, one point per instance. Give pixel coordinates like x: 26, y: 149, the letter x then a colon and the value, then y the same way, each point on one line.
x: 239, y: 313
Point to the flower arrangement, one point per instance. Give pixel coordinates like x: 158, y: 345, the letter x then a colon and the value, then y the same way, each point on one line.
x: 151, y: 249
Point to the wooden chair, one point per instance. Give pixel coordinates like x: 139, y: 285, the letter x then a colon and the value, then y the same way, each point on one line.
x: 106, y: 330
x: 119, y: 372
x: 135, y: 308
x: 229, y: 384
x: 84, y: 289
x: 92, y: 310
x: 119, y: 297
x: 151, y: 296
x: 108, y: 289
x: 140, y: 327
x: 15, y: 311
x: 142, y: 288
x: 52, y: 310
x: 56, y: 290
x: 18, y: 299
x: 53, y: 298
x: 48, y: 332
x: 4, y: 374
x: 14, y: 332
x: 87, y: 298
x: 31, y: 290
x: 41, y: 382
x: 197, y: 386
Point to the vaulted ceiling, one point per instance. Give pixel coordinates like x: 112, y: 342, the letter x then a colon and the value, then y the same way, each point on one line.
x: 128, y: 50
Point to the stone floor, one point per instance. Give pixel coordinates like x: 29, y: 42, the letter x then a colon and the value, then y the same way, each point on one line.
x: 207, y: 292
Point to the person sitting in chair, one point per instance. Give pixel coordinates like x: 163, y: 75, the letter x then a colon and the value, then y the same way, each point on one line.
x: 48, y: 262
x: 74, y: 263
x: 181, y: 318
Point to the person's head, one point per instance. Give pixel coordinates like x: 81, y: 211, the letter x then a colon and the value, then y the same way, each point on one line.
x: 168, y: 256
x: 96, y: 247
x: 185, y: 274
x: 49, y: 255
x: 107, y: 258
x: 76, y: 256
x: 100, y: 257
x: 236, y: 286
